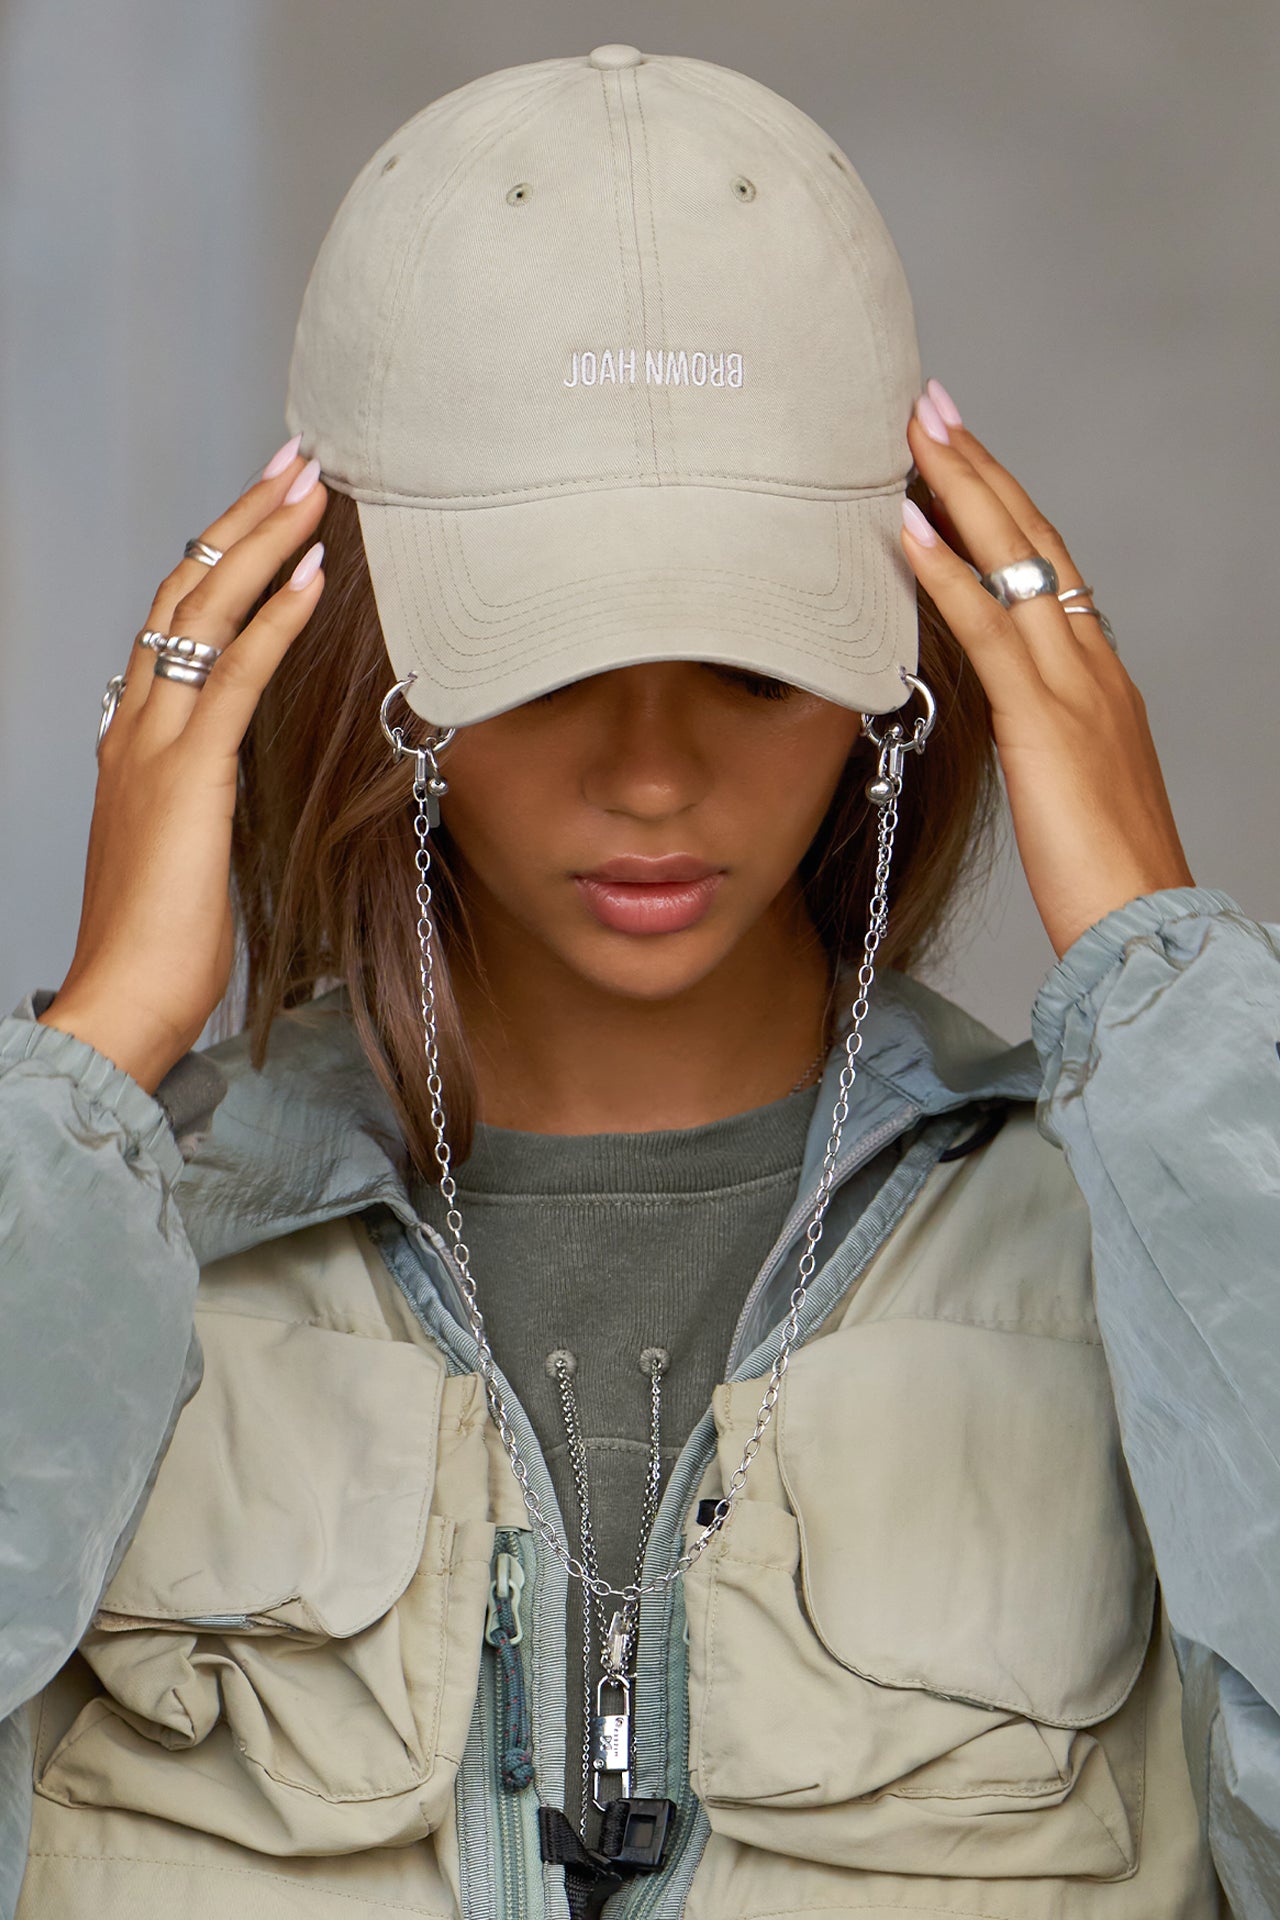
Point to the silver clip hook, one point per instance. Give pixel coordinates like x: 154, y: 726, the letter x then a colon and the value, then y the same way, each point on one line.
x: 428, y: 783
x: 894, y: 746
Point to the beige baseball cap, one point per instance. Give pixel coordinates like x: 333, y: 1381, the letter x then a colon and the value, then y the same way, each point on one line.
x: 616, y: 355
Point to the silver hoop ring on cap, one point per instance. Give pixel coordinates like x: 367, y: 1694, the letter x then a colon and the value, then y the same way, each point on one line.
x: 395, y: 735
x: 923, y: 726
x: 1021, y: 580
x: 110, y: 701
x: 202, y: 551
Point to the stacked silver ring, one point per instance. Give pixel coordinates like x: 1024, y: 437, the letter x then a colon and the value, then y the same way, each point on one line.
x: 201, y: 550
x: 178, y: 657
x: 1076, y: 593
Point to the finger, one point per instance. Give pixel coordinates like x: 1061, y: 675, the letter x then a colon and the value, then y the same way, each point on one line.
x: 1043, y: 535
x: 215, y: 609
x: 983, y: 628
x: 226, y: 703
x: 253, y: 506
x: 994, y: 539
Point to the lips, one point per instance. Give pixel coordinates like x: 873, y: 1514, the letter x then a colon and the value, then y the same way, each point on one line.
x: 640, y: 894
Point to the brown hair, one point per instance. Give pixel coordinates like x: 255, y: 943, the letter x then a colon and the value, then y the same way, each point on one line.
x: 323, y: 842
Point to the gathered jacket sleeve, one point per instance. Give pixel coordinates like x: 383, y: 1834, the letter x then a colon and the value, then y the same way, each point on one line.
x: 99, y: 1354
x: 1159, y: 1035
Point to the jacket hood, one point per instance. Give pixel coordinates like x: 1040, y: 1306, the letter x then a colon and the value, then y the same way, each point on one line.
x: 312, y: 1136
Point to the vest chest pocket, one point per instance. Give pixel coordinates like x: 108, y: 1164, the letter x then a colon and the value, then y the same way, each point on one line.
x: 290, y: 1647
x: 916, y: 1649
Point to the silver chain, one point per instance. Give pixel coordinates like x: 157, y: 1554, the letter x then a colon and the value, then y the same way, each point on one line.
x: 561, y: 1365
x: 883, y: 792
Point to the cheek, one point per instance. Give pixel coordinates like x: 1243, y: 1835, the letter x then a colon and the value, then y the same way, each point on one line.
x: 788, y: 793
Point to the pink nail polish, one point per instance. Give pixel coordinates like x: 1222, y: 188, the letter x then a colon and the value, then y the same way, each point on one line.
x: 943, y: 402
x: 279, y: 461
x: 931, y: 420
x: 303, y: 484
x: 308, y: 567
x: 916, y: 524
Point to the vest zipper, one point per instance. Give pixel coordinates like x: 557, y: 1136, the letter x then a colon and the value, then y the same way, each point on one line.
x: 504, y: 1632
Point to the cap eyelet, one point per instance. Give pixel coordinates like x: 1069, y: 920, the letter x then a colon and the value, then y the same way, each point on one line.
x: 744, y: 188
x: 519, y: 193
x: 388, y: 164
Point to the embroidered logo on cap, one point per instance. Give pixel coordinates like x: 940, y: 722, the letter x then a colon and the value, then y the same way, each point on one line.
x: 663, y: 368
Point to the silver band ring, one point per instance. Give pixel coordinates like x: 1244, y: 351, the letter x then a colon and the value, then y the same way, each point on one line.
x: 201, y: 550
x: 110, y: 701
x: 171, y: 667
x: 150, y: 638
x: 1021, y: 580
x: 200, y: 653
x: 1096, y: 613
x: 1078, y: 593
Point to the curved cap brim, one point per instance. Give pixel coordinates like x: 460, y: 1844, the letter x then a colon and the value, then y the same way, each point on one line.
x: 489, y: 606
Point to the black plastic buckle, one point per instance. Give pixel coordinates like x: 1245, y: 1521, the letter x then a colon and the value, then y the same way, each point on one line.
x: 634, y: 1833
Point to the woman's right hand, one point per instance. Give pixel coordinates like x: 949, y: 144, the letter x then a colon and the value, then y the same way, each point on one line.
x: 154, y: 950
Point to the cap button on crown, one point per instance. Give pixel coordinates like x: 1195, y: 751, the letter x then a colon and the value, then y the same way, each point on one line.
x: 613, y: 56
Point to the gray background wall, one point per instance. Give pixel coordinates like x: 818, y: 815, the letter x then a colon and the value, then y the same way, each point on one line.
x: 1084, y: 198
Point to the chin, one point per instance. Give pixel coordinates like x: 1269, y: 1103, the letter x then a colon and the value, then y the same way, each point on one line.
x: 651, y: 967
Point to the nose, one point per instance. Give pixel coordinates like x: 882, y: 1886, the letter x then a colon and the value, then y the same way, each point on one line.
x: 647, y: 760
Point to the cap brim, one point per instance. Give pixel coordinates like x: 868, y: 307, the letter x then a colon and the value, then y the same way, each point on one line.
x: 489, y: 606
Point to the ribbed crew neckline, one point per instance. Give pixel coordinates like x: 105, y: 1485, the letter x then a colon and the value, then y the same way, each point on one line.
x: 737, y: 1150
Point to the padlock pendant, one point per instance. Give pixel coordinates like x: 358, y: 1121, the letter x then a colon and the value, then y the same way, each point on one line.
x: 611, y: 1739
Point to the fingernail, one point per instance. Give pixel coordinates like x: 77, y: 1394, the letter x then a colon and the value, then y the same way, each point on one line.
x: 917, y: 526
x: 931, y: 420
x: 307, y: 568
x: 303, y: 484
x: 943, y: 402
x: 279, y: 461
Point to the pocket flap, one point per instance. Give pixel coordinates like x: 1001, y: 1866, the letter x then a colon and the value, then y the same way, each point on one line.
x: 967, y: 1523
x: 296, y: 1485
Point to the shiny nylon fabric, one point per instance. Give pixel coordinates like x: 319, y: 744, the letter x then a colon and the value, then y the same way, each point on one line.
x: 1157, y: 1038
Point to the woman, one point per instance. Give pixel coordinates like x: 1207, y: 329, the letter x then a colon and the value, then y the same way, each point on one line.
x: 771, y: 1524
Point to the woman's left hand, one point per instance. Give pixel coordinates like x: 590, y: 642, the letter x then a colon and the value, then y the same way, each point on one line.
x: 1092, y: 818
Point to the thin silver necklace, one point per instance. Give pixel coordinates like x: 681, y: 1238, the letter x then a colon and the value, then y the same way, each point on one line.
x: 615, y: 1738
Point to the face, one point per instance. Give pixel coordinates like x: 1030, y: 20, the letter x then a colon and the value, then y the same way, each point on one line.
x: 638, y: 826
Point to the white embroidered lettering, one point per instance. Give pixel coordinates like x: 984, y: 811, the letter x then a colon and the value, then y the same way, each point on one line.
x: 663, y: 367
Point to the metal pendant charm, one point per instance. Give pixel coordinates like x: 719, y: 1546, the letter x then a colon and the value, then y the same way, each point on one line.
x: 611, y: 1738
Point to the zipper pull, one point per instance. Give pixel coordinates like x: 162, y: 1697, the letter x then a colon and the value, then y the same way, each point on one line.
x: 504, y: 1631
x: 505, y: 1590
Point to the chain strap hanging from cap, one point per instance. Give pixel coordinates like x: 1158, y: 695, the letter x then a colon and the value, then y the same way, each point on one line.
x: 428, y: 788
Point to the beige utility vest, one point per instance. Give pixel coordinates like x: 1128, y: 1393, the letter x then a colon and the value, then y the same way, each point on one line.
x: 929, y: 1670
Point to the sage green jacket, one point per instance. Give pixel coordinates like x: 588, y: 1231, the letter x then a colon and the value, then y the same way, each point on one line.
x: 991, y: 1633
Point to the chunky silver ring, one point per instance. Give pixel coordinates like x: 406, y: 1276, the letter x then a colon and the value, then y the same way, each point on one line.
x: 171, y: 667
x: 110, y: 701
x: 1021, y: 580
x: 201, y: 550
x: 198, y: 652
